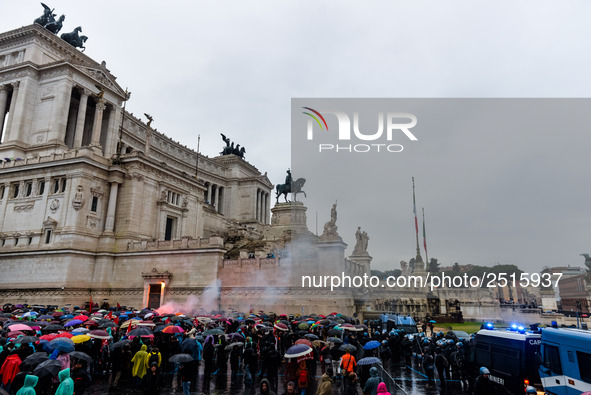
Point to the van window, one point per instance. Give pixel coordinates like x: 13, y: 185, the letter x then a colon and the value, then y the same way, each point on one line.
x: 552, y: 359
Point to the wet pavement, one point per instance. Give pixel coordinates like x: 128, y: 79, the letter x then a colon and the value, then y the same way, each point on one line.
x: 408, y: 380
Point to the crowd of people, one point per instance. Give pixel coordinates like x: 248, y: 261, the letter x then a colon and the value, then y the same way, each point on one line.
x: 45, y: 350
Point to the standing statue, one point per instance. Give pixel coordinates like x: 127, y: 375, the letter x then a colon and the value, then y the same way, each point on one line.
x: 150, y: 119
x: 330, y: 228
x: 290, y: 186
x: 47, y: 17
x: 587, y: 261
x: 362, y: 241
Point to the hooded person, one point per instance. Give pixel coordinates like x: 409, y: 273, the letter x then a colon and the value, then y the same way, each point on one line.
x: 66, y: 386
x: 325, y: 386
x: 139, y: 365
x: 371, y: 385
x: 10, y: 368
x: 265, y: 388
x: 28, y: 387
x: 382, y: 389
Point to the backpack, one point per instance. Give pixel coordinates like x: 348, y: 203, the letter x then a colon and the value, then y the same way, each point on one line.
x: 153, y: 358
x: 303, y: 379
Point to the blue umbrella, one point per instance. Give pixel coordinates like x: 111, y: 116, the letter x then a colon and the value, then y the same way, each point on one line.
x: 73, y: 322
x: 61, y: 346
x: 298, y: 350
x: 369, y: 361
x: 370, y: 345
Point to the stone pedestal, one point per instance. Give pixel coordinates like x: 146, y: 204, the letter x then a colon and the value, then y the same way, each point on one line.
x: 290, y: 218
x: 363, y: 260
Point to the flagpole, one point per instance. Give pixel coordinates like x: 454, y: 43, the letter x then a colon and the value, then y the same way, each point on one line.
x: 418, y: 259
x: 425, y: 238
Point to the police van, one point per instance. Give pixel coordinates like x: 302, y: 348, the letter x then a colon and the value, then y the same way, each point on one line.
x: 510, y: 356
x: 565, y: 361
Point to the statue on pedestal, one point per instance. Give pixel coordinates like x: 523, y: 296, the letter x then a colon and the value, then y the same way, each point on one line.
x: 330, y: 228
x: 362, y: 241
x: 290, y: 186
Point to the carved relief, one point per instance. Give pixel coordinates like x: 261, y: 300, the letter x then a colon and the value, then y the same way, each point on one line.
x: 24, y: 207
x: 55, y: 204
x: 92, y: 222
x: 78, y: 201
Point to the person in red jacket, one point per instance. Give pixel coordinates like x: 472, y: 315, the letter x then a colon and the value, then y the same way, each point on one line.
x: 10, y: 368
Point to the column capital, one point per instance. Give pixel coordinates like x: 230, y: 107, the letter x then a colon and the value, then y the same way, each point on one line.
x: 3, y: 88
x: 100, y: 105
x: 83, y: 91
x: 15, y: 84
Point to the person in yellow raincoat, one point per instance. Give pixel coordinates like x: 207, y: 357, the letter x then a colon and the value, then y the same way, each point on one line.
x: 138, y: 370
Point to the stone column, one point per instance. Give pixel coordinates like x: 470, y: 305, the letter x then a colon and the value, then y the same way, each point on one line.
x: 3, y: 99
x: 267, y: 208
x: 98, y: 123
x: 81, y: 118
x: 221, y: 200
x: 147, y: 143
x: 209, y: 193
x: 9, y: 132
x: 110, y: 221
x: 217, y: 196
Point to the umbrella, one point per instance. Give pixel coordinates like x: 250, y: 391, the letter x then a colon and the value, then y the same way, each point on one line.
x: 54, y: 327
x: 81, y: 339
x: 349, y: 347
x: 108, y: 325
x: 304, y: 341
x: 369, y: 361
x: 45, y: 317
x: 370, y: 345
x: 50, y: 367
x: 181, y: 358
x: 335, y: 340
x: 281, y: 326
x: 120, y: 344
x: 90, y: 323
x: 33, y: 360
x: 81, y: 355
x: 432, y: 322
x: 334, y: 332
x: 231, y: 346
x: 129, y: 322
x: 297, y: 351
x: 311, y: 336
x: 214, y: 331
x: 189, y: 345
x: 80, y: 331
x: 65, y: 334
x: 73, y: 322
x: 30, y: 314
x: 81, y: 317
x: 25, y: 340
x: 19, y: 327
x: 303, y: 326
x: 146, y: 323
x: 100, y: 334
x: 141, y: 331
x: 173, y: 329
x: 63, y: 340
x: 15, y: 334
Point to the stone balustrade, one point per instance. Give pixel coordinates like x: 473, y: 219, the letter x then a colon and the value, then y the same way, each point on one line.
x: 183, y: 243
x: 252, y: 262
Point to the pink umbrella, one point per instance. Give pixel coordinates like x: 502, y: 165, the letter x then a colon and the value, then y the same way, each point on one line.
x: 173, y: 329
x: 19, y: 327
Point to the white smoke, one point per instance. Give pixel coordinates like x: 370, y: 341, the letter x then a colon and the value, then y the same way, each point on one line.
x: 194, y: 304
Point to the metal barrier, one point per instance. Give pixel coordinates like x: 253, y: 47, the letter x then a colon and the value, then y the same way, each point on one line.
x: 393, y: 386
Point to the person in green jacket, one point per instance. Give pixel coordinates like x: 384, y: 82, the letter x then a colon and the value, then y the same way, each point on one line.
x: 29, y: 387
x: 66, y: 386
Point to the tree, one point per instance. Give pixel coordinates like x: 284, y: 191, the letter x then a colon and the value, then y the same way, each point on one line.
x: 433, y: 266
x: 456, y: 267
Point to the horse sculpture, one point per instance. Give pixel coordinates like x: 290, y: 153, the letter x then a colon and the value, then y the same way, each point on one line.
x: 74, y: 39
x: 295, y: 188
x: 56, y: 26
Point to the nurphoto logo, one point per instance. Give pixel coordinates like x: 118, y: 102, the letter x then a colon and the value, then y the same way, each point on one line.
x: 395, y: 122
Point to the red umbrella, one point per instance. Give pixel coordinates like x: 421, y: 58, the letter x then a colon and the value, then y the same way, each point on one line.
x: 281, y: 327
x: 173, y: 329
x: 90, y: 323
x: 81, y: 317
x: 48, y: 337
x: 15, y: 334
x: 67, y: 335
x: 304, y: 341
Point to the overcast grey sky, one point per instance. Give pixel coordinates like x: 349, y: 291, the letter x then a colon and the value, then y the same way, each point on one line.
x: 233, y: 67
